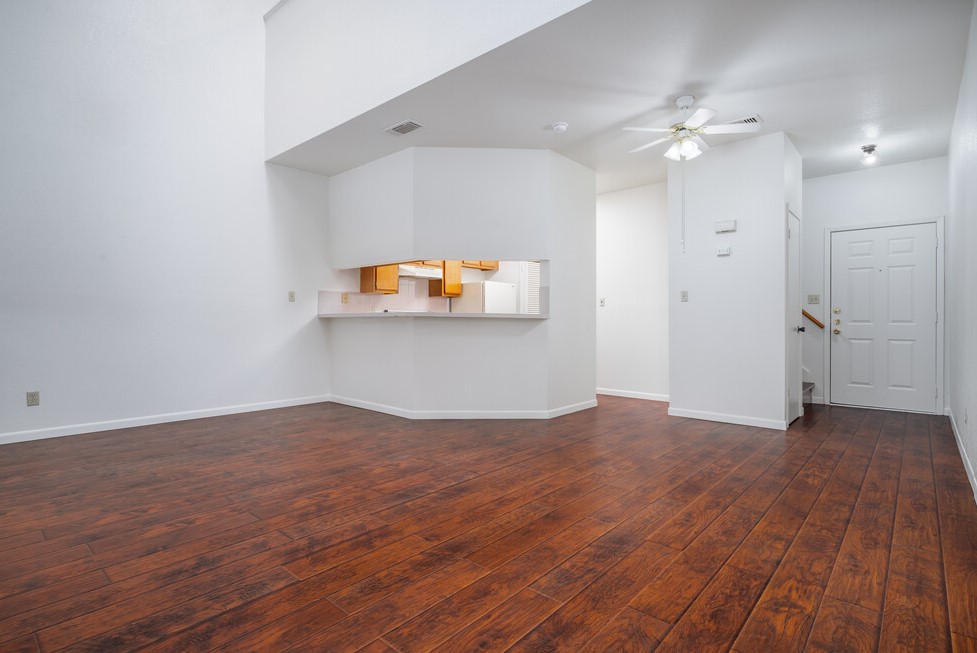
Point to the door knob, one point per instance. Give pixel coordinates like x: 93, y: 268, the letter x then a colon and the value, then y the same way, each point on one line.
x: 837, y: 331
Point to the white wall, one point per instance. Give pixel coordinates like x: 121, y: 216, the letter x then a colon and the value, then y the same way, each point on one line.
x: 407, y: 44
x: 961, y: 228
x: 471, y: 202
x: 572, y: 280
x: 506, y: 205
x: 146, y: 252
x: 903, y: 192
x: 632, y: 276
x: 727, y: 343
x: 371, y: 211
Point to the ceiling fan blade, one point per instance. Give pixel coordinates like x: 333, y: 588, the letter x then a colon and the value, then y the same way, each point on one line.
x: 700, y: 117
x: 701, y: 143
x: 651, y: 144
x: 735, y: 128
x: 661, y: 130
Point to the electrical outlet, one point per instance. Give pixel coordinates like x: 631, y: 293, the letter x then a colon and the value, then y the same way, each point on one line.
x: 34, y: 398
x: 603, y: 302
x: 344, y: 298
x: 683, y: 296
x: 814, y: 299
x: 291, y: 295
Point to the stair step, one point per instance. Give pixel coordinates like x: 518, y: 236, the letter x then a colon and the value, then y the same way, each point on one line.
x: 807, y: 386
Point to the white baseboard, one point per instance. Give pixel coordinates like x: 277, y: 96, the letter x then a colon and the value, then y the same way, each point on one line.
x: 115, y: 424
x: 967, y: 465
x: 745, y: 420
x: 464, y: 414
x: 650, y: 396
x: 112, y: 425
x: 817, y: 399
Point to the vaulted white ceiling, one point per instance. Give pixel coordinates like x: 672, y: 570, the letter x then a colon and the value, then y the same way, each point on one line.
x: 833, y: 74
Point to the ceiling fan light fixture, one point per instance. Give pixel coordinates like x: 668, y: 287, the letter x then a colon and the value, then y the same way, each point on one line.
x: 674, y: 152
x: 689, y: 149
x: 869, y: 155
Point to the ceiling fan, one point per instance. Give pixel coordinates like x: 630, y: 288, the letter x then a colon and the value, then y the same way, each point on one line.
x: 686, y: 136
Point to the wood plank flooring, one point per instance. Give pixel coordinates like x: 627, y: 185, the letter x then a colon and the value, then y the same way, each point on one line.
x: 328, y: 528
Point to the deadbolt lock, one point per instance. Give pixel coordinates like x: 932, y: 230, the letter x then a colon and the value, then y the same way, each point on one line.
x: 837, y: 321
x: 837, y: 309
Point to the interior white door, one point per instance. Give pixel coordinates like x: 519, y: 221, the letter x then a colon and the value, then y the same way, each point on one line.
x: 883, y: 317
x: 795, y: 406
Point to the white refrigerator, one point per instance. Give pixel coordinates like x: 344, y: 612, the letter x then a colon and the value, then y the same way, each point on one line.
x: 486, y: 297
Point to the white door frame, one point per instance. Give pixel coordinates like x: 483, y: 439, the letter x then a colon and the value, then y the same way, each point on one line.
x: 794, y: 315
x: 940, y: 314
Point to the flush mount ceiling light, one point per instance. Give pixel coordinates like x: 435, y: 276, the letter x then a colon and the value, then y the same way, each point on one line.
x: 560, y: 127
x: 687, y: 134
x: 869, y: 155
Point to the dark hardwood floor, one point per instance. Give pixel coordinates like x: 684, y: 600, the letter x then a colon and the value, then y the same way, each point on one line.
x: 328, y: 528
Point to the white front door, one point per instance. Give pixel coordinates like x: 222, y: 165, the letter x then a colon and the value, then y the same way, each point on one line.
x: 882, y: 326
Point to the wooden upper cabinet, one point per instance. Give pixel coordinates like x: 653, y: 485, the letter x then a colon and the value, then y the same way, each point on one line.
x: 380, y: 278
x: 481, y: 265
x: 451, y: 279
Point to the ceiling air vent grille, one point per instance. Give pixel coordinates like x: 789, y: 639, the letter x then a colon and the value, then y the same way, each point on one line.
x: 755, y: 119
x: 405, y: 127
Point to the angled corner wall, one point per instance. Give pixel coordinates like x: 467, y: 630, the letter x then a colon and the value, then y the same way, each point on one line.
x: 478, y: 203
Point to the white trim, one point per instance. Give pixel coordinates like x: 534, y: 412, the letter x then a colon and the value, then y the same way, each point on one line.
x: 112, y: 425
x: 938, y: 221
x: 650, y: 396
x: 779, y: 424
x: 464, y: 414
x: 115, y: 424
x: 369, y: 405
x: 817, y: 399
x: 967, y: 465
x: 791, y: 317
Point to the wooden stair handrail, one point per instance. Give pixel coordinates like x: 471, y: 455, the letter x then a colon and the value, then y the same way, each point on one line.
x: 812, y: 318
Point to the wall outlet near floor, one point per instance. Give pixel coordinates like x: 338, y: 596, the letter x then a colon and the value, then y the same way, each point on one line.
x: 344, y: 298
x: 34, y: 398
x: 291, y: 295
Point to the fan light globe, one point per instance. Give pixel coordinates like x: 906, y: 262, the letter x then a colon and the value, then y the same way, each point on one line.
x: 689, y: 149
x: 674, y: 152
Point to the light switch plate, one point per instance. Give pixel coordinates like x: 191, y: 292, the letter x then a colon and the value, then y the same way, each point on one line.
x: 683, y: 296
x: 724, y: 251
x: 814, y: 299
x: 725, y: 226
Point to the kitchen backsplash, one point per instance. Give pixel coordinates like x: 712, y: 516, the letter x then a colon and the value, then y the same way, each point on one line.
x: 412, y: 297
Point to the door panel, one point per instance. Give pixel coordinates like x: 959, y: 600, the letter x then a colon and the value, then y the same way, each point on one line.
x: 883, y: 294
